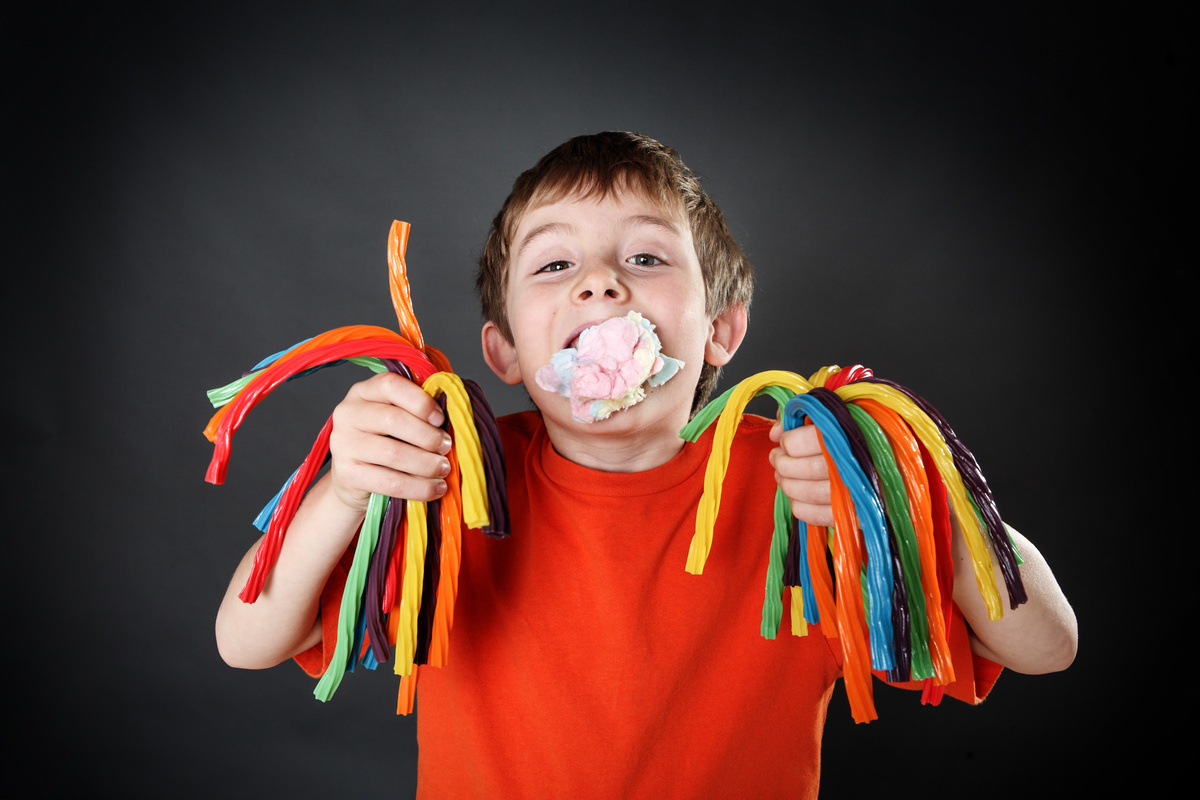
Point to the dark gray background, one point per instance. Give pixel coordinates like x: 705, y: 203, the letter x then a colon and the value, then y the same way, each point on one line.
x: 981, y: 203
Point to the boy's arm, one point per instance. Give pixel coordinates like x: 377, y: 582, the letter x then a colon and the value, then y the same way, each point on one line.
x: 1039, y: 636
x: 385, y: 440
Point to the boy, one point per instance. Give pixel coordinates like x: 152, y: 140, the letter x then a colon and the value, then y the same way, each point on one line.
x: 584, y: 660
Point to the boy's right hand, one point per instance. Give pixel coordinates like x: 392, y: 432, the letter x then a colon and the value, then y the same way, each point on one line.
x: 386, y: 440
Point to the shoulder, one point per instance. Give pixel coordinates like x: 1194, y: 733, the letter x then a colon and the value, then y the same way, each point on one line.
x: 753, y: 435
x: 517, y: 431
x: 754, y: 425
x: 746, y: 456
x: 530, y: 421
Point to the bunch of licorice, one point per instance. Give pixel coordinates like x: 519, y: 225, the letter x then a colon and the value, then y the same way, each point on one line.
x: 403, y: 579
x: 896, y: 471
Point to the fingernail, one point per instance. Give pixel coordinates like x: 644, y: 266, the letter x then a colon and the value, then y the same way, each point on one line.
x: 445, y: 446
x: 445, y: 467
x: 440, y: 489
x: 436, y: 418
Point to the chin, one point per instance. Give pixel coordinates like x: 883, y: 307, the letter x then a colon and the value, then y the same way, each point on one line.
x: 655, y: 411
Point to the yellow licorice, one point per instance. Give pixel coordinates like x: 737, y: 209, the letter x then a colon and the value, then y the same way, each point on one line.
x: 416, y: 542
x: 466, y: 445
x: 799, y: 624
x: 718, y: 459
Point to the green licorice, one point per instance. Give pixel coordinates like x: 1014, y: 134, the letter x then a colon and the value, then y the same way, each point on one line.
x: 356, y: 580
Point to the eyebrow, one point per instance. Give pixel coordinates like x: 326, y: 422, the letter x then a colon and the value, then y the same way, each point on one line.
x: 627, y: 223
x: 653, y: 220
x: 543, y: 230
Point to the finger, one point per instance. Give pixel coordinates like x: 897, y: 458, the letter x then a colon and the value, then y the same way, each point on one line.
x: 810, y: 514
x: 384, y: 419
x: 807, y: 492
x: 802, y: 441
x: 393, y: 454
x: 372, y: 478
x: 398, y: 391
x: 809, y: 468
x: 368, y: 409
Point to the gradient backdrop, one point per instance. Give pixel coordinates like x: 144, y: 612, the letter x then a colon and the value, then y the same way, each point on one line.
x: 981, y: 203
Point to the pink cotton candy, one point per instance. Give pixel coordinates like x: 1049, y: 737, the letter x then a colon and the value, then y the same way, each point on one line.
x: 611, y: 341
x: 593, y: 380
x: 607, y: 368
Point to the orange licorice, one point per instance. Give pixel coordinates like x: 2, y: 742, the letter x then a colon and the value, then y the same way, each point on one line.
x: 406, y: 696
x: 822, y: 582
x: 438, y: 358
x: 451, y: 557
x: 850, y: 614
x: 398, y: 284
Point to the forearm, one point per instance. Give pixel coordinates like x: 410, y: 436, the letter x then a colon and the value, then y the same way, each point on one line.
x: 285, y: 620
x: 1040, y: 635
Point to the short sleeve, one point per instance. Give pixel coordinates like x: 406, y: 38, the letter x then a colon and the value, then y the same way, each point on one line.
x: 315, y: 660
x: 974, y: 675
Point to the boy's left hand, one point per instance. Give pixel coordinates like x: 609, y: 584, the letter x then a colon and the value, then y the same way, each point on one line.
x: 801, y: 472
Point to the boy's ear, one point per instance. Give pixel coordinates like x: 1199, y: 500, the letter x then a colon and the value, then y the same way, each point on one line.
x: 500, y: 354
x: 728, y: 331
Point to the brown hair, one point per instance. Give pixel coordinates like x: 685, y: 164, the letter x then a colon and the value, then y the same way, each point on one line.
x: 599, y: 165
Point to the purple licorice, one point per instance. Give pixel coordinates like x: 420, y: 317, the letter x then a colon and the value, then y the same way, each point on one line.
x: 393, y: 515
x: 493, y: 461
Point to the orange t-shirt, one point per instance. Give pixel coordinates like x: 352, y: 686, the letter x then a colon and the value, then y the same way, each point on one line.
x: 586, y: 662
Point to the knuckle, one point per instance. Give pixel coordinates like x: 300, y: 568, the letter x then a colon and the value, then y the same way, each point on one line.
x: 352, y: 478
x: 398, y: 485
x: 431, y: 438
x: 391, y: 419
x: 411, y: 487
x: 344, y: 411
x: 387, y: 379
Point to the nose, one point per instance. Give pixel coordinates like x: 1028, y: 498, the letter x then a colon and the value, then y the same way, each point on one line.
x: 599, y: 279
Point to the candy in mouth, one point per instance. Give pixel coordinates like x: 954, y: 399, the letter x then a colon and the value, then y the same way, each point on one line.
x: 608, y: 368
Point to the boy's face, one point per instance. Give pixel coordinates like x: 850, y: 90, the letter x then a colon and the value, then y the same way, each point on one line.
x: 578, y: 262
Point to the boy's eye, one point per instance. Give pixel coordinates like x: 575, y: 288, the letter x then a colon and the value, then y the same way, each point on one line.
x: 555, y: 266
x: 644, y: 260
